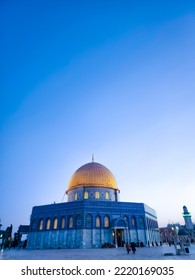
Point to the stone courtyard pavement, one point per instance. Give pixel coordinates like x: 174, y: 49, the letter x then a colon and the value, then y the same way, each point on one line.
x: 146, y: 253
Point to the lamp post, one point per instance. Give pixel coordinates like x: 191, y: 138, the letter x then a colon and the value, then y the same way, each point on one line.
x: 175, y: 230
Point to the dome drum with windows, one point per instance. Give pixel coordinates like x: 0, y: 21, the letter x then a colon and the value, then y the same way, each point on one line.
x: 93, y: 181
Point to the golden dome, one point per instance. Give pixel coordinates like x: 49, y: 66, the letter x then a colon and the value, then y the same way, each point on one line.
x: 92, y: 174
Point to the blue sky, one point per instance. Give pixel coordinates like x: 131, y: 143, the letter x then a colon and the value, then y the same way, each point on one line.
x: 113, y: 78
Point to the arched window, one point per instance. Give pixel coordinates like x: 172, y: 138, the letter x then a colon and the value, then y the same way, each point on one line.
x: 55, y: 223
x: 78, y: 221
x: 70, y: 224
x: 107, y: 195
x: 97, y: 222
x: 41, y: 224
x: 133, y: 221
x: 106, y: 222
x: 75, y: 196
x: 141, y: 222
x: 48, y: 224
x: 86, y: 195
x: 63, y: 223
x: 97, y: 195
x: 149, y: 223
x: 88, y: 221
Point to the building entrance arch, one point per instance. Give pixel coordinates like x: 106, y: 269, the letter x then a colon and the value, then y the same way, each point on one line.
x: 118, y: 237
x: 119, y: 232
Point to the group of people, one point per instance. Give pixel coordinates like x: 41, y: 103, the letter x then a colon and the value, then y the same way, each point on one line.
x: 130, y: 247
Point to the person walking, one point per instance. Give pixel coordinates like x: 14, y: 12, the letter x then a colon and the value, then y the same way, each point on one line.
x: 133, y: 247
x: 128, y: 248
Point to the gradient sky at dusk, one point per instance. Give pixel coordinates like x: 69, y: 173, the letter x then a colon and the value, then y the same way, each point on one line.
x: 113, y: 78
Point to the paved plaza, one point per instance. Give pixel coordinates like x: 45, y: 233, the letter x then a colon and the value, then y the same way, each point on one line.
x: 146, y: 253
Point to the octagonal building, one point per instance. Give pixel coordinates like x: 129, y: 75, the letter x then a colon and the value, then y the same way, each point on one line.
x: 93, y: 216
